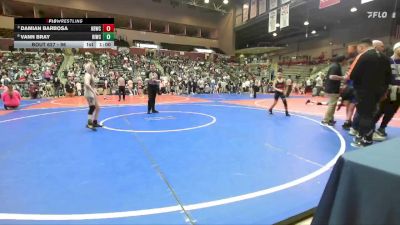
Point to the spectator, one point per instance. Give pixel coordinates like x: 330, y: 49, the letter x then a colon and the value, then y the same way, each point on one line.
x: 121, y: 87
x: 78, y: 88
x: 2, y: 88
x: 318, y: 85
x: 69, y: 88
x: 308, y: 86
x: 57, y: 86
x: 33, y: 91
x: 289, y: 85
x: 11, y: 98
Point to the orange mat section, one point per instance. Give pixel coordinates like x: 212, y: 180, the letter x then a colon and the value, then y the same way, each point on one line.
x: 3, y: 112
x: 80, y: 101
x: 297, y: 105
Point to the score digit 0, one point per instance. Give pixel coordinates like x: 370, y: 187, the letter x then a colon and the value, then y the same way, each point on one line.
x: 108, y: 27
x: 108, y: 36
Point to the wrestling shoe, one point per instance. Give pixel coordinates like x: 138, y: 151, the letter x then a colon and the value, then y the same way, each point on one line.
x: 90, y: 126
x: 361, y: 142
x: 381, y: 132
x: 377, y: 137
x: 353, y: 132
x: 95, y: 124
x: 346, y: 125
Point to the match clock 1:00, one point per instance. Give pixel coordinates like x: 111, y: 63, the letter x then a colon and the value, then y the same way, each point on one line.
x: 108, y: 36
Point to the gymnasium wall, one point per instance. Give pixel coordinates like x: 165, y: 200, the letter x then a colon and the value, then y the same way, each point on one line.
x: 340, y: 35
x: 314, y: 48
x: 226, y: 34
x: 7, y: 22
x: 165, y: 38
x: 140, y: 8
x: 163, y: 11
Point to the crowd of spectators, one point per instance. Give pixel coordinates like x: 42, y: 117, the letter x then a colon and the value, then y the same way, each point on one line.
x: 35, y: 74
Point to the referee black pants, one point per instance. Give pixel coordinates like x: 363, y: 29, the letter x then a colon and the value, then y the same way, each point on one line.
x: 254, y: 91
x: 152, y: 93
x: 121, y: 91
x: 367, y: 106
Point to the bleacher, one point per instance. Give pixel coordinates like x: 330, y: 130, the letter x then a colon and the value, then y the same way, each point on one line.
x: 301, y: 71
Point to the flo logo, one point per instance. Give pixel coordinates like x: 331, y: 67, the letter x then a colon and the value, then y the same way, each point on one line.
x: 377, y: 15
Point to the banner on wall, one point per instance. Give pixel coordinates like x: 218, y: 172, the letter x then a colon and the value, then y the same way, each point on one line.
x: 245, y: 12
x: 273, y: 4
x: 262, y: 6
x: 327, y: 3
x: 239, y: 11
x: 253, y: 9
x: 272, y: 21
x: 238, y: 20
x: 239, y: 16
x: 284, y: 1
x: 284, y: 19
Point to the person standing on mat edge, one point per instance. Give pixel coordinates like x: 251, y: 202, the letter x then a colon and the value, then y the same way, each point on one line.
x: 390, y: 105
x: 319, y: 83
x: 91, y: 96
x: 332, y: 88
x: 371, y: 75
x: 289, y: 85
x: 255, y: 86
x: 153, y: 87
x: 279, y: 88
x: 121, y: 88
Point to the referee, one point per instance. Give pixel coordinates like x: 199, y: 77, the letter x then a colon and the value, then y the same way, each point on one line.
x: 371, y: 74
x: 153, y: 87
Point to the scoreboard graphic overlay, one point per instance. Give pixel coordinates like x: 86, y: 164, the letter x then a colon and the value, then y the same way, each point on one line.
x: 64, y: 33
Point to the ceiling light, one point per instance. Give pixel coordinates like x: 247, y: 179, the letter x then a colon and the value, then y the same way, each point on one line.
x: 306, y: 23
x: 354, y: 9
x: 314, y: 32
x: 277, y: 25
x: 201, y: 50
x: 226, y: 2
x: 365, y: 1
x: 206, y: 1
x: 274, y: 34
x: 246, y: 6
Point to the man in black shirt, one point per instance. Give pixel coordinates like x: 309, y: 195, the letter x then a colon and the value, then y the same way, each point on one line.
x: 371, y: 74
x: 57, y: 86
x: 332, y: 88
x: 153, y: 87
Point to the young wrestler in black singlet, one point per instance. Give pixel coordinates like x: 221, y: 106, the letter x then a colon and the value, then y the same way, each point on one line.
x: 279, y: 88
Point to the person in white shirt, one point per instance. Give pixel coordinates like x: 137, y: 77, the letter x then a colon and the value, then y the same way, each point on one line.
x: 319, y: 85
x: 140, y: 86
x: 213, y: 86
x: 91, y: 96
x: 121, y: 88
x: 105, y: 89
x: 289, y: 86
x: 78, y: 86
x: 130, y: 87
x: 308, y: 86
